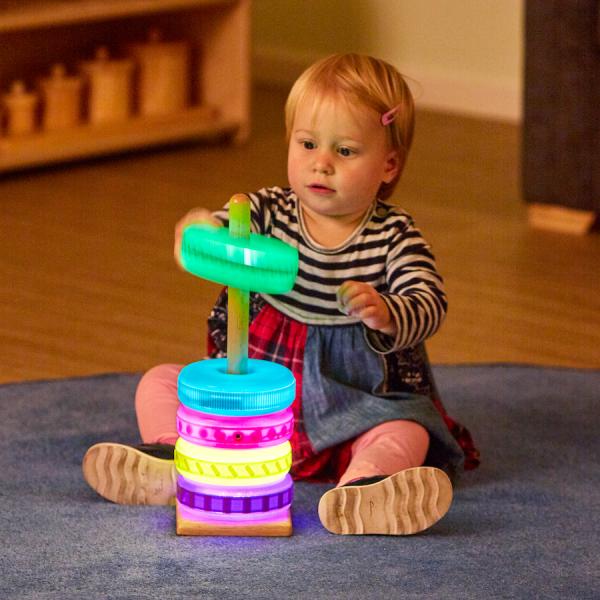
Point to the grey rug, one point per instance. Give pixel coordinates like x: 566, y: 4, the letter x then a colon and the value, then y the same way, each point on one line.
x: 526, y: 524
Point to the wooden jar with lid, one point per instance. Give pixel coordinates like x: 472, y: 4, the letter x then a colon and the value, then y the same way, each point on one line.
x: 163, y: 75
x: 109, y: 87
x: 61, y: 99
x: 20, y: 110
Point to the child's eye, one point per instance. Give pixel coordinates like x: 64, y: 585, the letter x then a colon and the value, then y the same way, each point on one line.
x: 308, y: 145
x: 345, y: 151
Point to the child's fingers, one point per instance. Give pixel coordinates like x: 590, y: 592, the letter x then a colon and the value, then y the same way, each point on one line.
x: 357, y: 304
x: 344, y: 295
x: 196, y: 216
x: 349, y: 289
x: 177, y: 249
x: 354, y: 295
x: 361, y: 301
x: 366, y: 313
x: 375, y: 317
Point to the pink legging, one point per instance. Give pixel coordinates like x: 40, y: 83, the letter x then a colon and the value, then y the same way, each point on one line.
x: 385, y: 449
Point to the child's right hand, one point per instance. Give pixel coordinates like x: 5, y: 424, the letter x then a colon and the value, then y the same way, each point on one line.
x: 196, y: 216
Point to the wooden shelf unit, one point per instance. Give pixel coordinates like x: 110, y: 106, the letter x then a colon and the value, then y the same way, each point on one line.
x: 40, y: 33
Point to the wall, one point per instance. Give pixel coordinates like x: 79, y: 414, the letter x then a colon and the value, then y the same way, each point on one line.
x: 463, y: 56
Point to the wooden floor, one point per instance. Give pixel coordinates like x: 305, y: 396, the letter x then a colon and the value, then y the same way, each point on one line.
x: 88, y: 283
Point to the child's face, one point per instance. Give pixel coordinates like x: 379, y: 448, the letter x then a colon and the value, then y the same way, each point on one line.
x: 338, y: 157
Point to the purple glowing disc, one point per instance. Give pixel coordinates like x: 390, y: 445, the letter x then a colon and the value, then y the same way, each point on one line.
x: 235, y: 500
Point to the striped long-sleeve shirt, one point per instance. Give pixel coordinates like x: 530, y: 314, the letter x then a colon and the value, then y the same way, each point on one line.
x: 386, y: 250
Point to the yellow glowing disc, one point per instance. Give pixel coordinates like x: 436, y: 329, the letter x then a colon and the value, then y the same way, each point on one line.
x: 258, y: 466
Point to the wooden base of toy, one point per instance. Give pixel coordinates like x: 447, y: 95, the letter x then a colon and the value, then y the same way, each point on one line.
x: 281, y: 528
x: 93, y: 140
x: 559, y: 218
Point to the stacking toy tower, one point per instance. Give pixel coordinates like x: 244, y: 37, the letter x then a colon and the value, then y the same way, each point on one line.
x: 235, y: 419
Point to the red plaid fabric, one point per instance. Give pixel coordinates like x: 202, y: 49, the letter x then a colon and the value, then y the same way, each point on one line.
x: 461, y: 434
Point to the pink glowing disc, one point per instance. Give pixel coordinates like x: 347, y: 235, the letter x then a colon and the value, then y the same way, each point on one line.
x: 221, y: 431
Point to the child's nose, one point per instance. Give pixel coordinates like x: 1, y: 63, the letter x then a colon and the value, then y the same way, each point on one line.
x: 323, y: 163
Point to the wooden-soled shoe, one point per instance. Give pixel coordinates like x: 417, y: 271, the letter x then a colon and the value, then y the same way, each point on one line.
x: 128, y: 475
x: 407, y: 502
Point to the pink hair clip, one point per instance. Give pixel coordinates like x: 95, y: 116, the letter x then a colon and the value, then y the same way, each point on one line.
x: 389, y: 116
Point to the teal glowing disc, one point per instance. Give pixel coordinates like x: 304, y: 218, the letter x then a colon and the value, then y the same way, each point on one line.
x: 265, y: 388
x: 257, y: 263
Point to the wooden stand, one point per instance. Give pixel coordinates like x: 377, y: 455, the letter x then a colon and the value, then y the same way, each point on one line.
x: 281, y: 528
x: 561, y: 219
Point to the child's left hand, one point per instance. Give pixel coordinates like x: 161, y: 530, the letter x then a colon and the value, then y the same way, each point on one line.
x: 361, y: 300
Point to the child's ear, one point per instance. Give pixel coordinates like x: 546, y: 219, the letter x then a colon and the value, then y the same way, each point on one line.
x: 392, y: 166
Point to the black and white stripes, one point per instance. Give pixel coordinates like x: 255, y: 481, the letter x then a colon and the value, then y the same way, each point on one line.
x: 386, y: 250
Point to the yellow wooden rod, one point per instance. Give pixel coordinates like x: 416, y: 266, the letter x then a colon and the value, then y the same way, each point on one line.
x: 238, y: 304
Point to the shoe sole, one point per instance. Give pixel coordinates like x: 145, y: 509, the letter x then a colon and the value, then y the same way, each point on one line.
x: 405, y: 503
x: 125, y: 475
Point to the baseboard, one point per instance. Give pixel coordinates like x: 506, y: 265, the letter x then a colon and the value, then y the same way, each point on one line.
x: 560, y: 218
x: 433, y: 91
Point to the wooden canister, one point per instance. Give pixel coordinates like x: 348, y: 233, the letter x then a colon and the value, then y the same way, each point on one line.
x: 163, y: 75
x: 109, y: 87
x: 61, y: 99
x: 20, y: 110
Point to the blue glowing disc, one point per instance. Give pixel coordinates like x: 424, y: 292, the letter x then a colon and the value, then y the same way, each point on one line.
x: 206, y: 386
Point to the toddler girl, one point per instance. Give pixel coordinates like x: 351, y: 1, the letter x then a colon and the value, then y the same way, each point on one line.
x: 352, y: 329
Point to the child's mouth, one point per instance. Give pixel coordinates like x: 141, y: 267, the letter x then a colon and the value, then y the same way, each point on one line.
x: 317, y: 188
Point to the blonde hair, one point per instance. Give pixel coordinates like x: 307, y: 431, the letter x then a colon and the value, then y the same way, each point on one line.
x: 364, y: 80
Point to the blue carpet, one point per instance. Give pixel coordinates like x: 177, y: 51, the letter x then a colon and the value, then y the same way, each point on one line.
x: 524, y: 525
